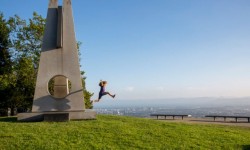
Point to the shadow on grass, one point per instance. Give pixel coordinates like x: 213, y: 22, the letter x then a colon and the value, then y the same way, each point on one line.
x: 245, y: 147
x: 8, y: 119
x: 220, y: 121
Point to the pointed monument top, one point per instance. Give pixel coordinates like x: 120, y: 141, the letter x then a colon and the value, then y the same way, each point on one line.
x: 53, y: 4
x: 66, y: 2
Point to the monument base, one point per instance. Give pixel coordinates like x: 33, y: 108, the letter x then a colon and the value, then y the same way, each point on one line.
x: 57, y: 115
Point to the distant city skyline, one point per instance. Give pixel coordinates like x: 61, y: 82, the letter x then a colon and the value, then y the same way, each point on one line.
x: 160, y: 49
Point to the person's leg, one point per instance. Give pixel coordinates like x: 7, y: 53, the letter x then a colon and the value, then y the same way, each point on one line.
x: 99, y: 97
x: 96, y: 100
x: 102, y: 94
x: 110, y: 94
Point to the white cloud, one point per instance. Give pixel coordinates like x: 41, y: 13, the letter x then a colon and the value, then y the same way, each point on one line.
x: 160, y: 88
x: 130, y: 88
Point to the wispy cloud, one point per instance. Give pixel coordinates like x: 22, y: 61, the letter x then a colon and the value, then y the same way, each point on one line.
x: 130, y: 88
x: 160, y: 88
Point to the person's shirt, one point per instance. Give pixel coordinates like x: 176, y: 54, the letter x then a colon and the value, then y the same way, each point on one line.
x: 102, y: 90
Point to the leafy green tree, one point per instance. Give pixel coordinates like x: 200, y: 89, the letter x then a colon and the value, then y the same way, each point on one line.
x: 5, y: 65
x: 5, y: 57
x: 25, y: 52
x: 86, y: 93
x: 27, y: 37
x: 5, y: 61
x: 22, y: 96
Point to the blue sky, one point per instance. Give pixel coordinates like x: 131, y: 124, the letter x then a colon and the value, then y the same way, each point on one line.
x: 150, y: 49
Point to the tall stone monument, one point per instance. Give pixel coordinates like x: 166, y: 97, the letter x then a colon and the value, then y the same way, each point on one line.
x: 59, y: 91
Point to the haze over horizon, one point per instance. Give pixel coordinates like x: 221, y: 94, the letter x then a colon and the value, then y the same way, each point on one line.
x: 159, y: 49
x: 186, y: 103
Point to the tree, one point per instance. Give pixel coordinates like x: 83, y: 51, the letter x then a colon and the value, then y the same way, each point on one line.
x: 5, y: 61
x: 5, y: 65
x: 86, y: 93
x: 5, y: 57
x: 27, y: 37
x: 22, y: 93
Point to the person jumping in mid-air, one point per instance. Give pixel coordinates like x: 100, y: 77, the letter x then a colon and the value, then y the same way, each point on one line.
x: 102, y: 92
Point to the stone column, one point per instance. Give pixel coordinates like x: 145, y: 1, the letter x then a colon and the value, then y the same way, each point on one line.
x: 58, y: 66
x: 59, y: 57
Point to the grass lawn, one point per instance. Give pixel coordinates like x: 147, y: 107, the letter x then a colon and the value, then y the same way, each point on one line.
x: 120, y: 132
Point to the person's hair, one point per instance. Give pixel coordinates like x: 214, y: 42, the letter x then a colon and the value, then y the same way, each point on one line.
x: 102, y: 82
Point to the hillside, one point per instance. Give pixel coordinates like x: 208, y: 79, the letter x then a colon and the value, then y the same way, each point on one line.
x: 119, y: 132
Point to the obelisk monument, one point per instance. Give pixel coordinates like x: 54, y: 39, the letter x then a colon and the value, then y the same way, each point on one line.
x: 59, y: 85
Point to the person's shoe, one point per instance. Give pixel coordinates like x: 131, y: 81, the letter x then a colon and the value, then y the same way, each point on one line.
x: 113, y: 96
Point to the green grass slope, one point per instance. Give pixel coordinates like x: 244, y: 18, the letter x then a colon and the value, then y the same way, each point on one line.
x: 119, y: 132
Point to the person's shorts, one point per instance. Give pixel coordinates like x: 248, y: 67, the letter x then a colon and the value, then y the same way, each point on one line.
x: 102, y: 94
